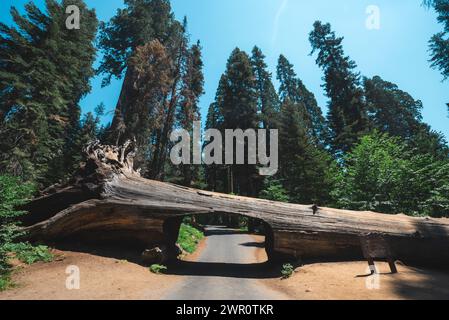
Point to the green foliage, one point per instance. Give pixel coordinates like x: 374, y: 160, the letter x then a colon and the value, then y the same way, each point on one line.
x: 29, y: 254
x: 137, y: 24
x: 274, y: 191
x: 236, y: 103
x: 382, y: 174
x: 189, y: 237
x: 372, y: 175
x: 188, y: 109
x: 45, y: 72
x: 267, y: 99
x: 287, y: 270
x: 13, y: 193
x: 424, y: 191
x: 6, y: 281
x: 347, y: 116
x: 163, y: 81
x: 439, y: 43
x: 304, y: 167
x: 392, y: 110
x: 293, y: 89
x: 158, y: 268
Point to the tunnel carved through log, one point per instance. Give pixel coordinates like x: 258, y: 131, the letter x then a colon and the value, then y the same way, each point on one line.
x: 109, y: 201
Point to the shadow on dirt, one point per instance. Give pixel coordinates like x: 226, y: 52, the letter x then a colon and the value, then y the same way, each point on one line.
x: 119, y: 252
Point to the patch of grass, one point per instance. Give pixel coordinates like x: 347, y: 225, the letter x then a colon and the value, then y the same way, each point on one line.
x: 29, y: 254
x: 189, y: 237
x: 158, y: 268
x: 287, y: 270
x: 5, y: 281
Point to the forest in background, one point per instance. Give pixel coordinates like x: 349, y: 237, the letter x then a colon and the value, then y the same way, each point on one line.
x: 371, y: 151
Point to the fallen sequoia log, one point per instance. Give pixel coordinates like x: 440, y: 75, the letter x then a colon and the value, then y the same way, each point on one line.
x: 109, y: 201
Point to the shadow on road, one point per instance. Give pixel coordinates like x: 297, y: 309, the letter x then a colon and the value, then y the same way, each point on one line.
x: 264, y: 270
x: 219, y: 231
x: 253, y: 244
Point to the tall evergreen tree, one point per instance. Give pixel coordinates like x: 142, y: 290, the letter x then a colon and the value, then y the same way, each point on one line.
x: 143, y: 29
x: 390, y: 109
x: 215, y: 178
x: 397, y: 113
x: 347, y: 115
x: 239, y: 110
x: 304, y: 167
x: 46, y: 71
x: 292, y: 88
x: 140, y: 22
x: 268, y: 101
x: 188, y: 109
x: 89, y: 129
x: 439, y: 43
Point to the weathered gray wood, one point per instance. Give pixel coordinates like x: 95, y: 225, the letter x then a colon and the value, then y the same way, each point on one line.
x: 108, y: 200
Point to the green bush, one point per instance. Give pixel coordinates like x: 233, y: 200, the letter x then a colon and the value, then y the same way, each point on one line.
x: 158, y: 268
x: 382, y: 174
x: 274, y: 191
x: 30, y: 254
x: 5, y: 281
x: 13, y: 193
x: 189, y: 237
x: 287, y: 270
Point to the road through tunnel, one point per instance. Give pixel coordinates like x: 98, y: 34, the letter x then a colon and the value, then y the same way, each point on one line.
x: 253, y: 232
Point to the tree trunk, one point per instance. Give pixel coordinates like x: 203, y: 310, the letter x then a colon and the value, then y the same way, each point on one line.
x: 109, y: 201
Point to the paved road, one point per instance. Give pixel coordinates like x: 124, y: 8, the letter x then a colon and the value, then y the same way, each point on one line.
x: 227, y: 269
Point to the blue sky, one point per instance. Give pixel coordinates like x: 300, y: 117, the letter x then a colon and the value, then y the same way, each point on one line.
x: 397, y: 52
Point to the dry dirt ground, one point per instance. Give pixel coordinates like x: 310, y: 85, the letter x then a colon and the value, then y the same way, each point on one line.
x: 100, y: 278
x: 110, y: 279
x: 352, y: 281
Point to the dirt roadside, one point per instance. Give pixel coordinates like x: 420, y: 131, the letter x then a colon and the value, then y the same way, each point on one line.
x: 351, y: 281
x: 112, y: 279
x: 100, y: 278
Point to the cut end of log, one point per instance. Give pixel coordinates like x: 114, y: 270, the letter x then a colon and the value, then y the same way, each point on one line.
x: 111, y: 159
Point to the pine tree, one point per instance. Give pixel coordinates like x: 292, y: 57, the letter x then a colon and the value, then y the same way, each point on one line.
x: 143, y: 31
x: 140, y: 22
x: 304, y: 166
x: 188, y: 109
x: 439, y: 44
x: 390, y: 109
x: 397, y: 113
x: 46, y: 72
x: 89, y: 129
x: 347, y: 115
x: 146, y: 110
x: 426, y: 141
x: 239, y: 110
x: 292, y: 88
x: 126, y: 36
x: 268, y: 101
x: 215, y: 177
